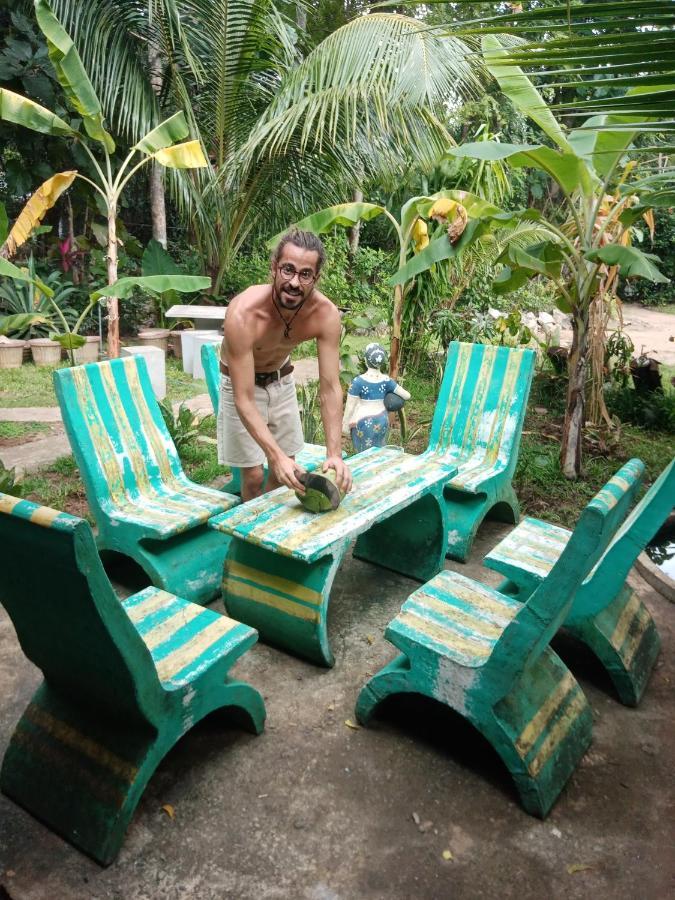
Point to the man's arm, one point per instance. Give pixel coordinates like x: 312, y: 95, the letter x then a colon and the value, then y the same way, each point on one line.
x: 239, y: 340
x: 330, y: 394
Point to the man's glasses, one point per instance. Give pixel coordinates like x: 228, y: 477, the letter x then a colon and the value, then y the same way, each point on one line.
x: 305, y: 276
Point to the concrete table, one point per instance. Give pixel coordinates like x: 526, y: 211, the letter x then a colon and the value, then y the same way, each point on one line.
x: 205, y: 317
x: 282, y: 560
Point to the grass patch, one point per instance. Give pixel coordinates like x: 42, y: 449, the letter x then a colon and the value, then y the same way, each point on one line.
x: 15, y: 431
x: 179, y: 384
x: 29, y: 385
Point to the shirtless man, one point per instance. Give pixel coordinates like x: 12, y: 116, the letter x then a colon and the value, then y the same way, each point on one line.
x: 258, y: 416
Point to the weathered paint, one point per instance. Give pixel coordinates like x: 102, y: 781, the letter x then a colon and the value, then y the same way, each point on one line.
x: 282, y: 559
x: 143, y: 503
x: 476, y: 427
x: 486, y: 655
x: 123, y: 680
x: 606, y: 614
x: 310, y: 457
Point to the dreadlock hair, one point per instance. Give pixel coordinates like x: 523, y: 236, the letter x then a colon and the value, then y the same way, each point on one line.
x: 306, y: 240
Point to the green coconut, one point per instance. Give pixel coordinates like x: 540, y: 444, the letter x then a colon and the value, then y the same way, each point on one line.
x: 321, y: 492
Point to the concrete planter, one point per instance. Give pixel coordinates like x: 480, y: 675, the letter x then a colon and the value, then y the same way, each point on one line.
x: 45, y: 352
x: 89, y: 352
x: 11, y: 354
x: 175, y: 344
x: 154, y: 337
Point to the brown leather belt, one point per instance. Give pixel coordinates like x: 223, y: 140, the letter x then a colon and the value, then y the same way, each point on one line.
x: 262, y: 379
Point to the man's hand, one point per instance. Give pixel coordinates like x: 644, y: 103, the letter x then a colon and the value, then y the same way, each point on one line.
x: 343, y: 477
x: 285, y: 471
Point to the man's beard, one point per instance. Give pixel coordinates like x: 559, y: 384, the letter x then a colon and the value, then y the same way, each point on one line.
x: 278, y: 296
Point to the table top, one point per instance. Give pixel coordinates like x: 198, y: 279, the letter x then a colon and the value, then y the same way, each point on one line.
x: 386, y: 480
x: 189, y: 311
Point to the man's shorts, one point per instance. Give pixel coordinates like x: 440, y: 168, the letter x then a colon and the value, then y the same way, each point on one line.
x: 277, y: 404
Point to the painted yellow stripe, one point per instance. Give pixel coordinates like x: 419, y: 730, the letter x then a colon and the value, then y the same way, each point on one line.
x: 467, y: 646
x: 641, y: 623
x: 455, y: 393
x: 530, y: 733
x: 476, y: 410
x: 476, y: 595
x: 8, y: 503
x: 607, y: 497
x: 490, y: 630
x: 275, y: 582
x: 282, y: 604
x: 190, y: 651
x: 151, y: 604
x: 502, y: 412
x: 73, y: 738
x: 44, y: 516
x: 624, y: 620
x: 557, y: 733
x: 168, y: 627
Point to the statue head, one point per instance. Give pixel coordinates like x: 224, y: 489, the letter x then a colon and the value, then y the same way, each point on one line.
x: 375, y: 356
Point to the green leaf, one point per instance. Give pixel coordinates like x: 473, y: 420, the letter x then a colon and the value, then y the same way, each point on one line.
x: 166, y: 133
x: 603, y: 148
x: 156, y: 261
x: 520, y: 90
x: 9, y: 270
x: 156, y: 284
x: 4, y: 223
x: 20, y: 321
x: 346, y: 214
x: 633, y: 263
x: 22, y: 111
x: 69, y: 341
x: 509, y: 280
x: 568, y: 169
x: 71, y: 75
x: 439, y: 250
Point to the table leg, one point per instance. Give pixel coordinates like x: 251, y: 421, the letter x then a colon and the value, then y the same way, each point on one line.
x: 285, y: 599
x: 411, y: 542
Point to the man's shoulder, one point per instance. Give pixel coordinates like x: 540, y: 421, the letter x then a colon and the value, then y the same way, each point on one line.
x: 324, y: 308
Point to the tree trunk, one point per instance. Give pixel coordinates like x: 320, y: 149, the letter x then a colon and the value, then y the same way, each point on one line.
x: 113, y: 305
x: 395, y: 350
x: 157, y: 203
x: 353, y: 234
x: 575, y: 413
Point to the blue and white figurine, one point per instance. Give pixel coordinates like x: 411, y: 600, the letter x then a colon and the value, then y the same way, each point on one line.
x: 369, y: 399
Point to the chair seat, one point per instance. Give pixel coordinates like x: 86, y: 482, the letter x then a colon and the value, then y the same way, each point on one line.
x: 185, y: 639
x: 165, y: 513
x: 533, y: 548
x: 454, y: 617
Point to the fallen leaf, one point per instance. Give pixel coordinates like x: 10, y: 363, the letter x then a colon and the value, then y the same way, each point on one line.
x: 447, y: 855
x: 425, y: 826
x: 370, y: 638
x: 330, y: 707
x: 416, y: 818
x: 350, y: 724
x: 573, y: 868
x: 169, y: 810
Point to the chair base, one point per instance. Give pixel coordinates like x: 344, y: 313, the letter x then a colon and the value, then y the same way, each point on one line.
x: 541, y: 729
x: 83, y: 775
x: 625, y: 640
x: 466, y: 512
x: 189, y: 565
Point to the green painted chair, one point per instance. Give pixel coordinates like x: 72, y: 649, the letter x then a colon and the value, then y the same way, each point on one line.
x: 607, y: 615
x: 310, y: 457
x: 123, y: 681
x: 477, y: 425
x: 486, y: 656
x: 144, y: 505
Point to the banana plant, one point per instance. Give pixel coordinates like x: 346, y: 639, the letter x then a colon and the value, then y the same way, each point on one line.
x: 70, y: 338
x: 411, y: 231
x: 587, y: 247
x: 159, y: 144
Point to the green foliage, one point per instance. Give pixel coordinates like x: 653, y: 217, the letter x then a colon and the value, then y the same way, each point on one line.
x: 654, y: 410
x: 182, y: 426
x: 10, y: 482
x: 664, y: 240
x: 310, y: 412
x: 26, y: 298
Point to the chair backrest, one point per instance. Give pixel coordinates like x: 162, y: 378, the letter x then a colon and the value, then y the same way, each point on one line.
x: 541, y: 616
x: 116, y: 430
x: 482, y: 402
x: 211, y: 366
x: 67, y: 617
x: 635, y: 533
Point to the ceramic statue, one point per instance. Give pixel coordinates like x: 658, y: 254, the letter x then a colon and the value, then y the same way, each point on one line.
x: 370, y: 399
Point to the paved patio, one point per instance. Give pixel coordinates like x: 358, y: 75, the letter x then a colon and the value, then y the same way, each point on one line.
x: 316, y: 809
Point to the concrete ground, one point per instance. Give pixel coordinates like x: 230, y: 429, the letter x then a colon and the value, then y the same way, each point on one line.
x: 416, y: 806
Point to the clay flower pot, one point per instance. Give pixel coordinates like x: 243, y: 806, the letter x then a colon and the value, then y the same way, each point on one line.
x: 45, y: 352
x: 11, y: 353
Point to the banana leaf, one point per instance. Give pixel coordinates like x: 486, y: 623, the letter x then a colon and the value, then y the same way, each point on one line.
x: 22, y: 111
x: 156, y: 284
x: 34, y: 211
x: 71, y: 75
x: 346, y: 214
x: 188, y: 155
x: 19, y: 322
x: 439, y: 250
x: 9, y: 270
x: 633, y: 263
x: 166, y: 133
